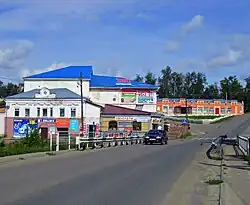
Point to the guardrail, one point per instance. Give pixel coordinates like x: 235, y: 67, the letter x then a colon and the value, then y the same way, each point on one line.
x: 102, y: 142
x: 244, y: 144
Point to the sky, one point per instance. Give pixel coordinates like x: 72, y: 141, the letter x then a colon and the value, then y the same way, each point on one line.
x: 125, y: 37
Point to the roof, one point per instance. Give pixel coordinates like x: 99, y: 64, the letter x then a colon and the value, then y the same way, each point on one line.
x: 116, y: 110
x: 100, y: 81
x: 67, y: 72
x: 61, y: 93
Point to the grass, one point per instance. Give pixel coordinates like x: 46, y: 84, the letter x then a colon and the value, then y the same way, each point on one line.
x: 187, y: 135
x: 199, y: 117
x: 214, y: 181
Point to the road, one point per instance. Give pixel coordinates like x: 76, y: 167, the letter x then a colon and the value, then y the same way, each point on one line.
x: 126, y: 176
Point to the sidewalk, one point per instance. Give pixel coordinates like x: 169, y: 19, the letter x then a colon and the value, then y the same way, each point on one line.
x: 192, y: 187
x: 236, y: 176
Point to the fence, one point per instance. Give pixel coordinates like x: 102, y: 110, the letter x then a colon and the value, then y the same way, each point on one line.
x: 65, y: 140
x: 244, y: 144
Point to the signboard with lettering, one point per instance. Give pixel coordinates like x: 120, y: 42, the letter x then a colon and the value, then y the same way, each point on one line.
x: 145, y: 98
x: 62, y: 123
x: 128, y: 97
x: 47, y: 120
x: 22, y: 127
x: 123, y: 81
x: 138, y: 119
x: 74, y: 125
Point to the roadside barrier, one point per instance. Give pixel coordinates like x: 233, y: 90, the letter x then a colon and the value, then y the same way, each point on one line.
x: 244, y: 144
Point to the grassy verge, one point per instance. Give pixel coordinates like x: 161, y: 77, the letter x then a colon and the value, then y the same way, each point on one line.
x: 199, y: 117
x: 187, y: 135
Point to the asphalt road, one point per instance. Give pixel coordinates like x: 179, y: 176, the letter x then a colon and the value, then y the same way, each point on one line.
x: 141, y: 175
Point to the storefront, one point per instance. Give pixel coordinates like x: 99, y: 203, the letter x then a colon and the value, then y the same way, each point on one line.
x: 157, y: 121
x: 114, y: 118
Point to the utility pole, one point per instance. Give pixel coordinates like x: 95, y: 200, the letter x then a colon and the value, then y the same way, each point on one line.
x: 186, y: 109
x: 81, y: 103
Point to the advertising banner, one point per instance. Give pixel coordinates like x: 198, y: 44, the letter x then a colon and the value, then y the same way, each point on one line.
x: 145, y: 98
x: 62, y: 123
x: 74, y: 126
x: 47, y: 120
x: 123, y: 81
x: 128, y: 97
x: 22, y: 126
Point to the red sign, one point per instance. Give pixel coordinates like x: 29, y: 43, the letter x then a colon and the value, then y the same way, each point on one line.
x: 62, y: 122
x: 147, y: 94
x: 123, y: 81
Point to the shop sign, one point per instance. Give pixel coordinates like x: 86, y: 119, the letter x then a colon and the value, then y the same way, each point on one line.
x: 47, y: 120
x: 128, y: 97
x: 97, y: 129
x: 23, y: 126
x: 145, y: 98
x: 62, y: 123
x: 138, y: 119
x: 156, y: 121
x: 123, y: 81
x: 74, y: 126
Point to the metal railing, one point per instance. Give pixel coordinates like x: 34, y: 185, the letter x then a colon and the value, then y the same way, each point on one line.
x: 67, y: 141
x: 244, y: 144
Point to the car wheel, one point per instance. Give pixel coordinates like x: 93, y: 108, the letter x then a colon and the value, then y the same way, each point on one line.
x: 162, y: 142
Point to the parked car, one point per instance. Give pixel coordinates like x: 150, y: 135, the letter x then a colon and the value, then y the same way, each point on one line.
x: 156, y: 136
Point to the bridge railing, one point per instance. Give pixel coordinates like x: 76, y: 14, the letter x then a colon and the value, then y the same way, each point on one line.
x: 244, y: 144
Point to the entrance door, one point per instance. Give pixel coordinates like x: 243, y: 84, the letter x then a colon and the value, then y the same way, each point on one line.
x: 217, y: 111
x: 44, y: 133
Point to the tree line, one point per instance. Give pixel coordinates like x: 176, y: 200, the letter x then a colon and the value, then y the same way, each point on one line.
x: 195, y: 85
x: 9, y: 89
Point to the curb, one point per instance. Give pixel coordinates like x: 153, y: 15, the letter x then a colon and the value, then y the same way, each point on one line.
x: 31, y: 155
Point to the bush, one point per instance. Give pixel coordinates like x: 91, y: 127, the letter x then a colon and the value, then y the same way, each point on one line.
x: 29, y: 144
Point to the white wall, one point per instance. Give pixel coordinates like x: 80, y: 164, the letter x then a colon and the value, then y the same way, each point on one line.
x: 106, y: 97
x: 92, y: 114
x: 2, y: 123
x: 90, y: 111
x: 70, y: 84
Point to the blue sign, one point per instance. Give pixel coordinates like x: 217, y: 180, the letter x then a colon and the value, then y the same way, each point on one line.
x: 22, y: 126
x: 184, y: 121
x: 74, y: 126
x: 47, y: 120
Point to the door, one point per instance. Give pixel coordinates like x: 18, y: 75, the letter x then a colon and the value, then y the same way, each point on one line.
x: 44, y: 133
x: 217, y: 111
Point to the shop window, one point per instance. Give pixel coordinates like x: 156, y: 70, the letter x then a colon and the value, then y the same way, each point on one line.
x: 205, y: 109
x: 229, y: 110
x: 62, y: 112
x: 73, y: 112
x: 17, y: 112
x: 45, y: 112
x: 136, y: 126
x: 51, y: 112
x: 38, y: 112
x: 113, y: 125
x: 27, y: 112
x: 223, y: 110
x: 200, y: 110
x: 211, y: 110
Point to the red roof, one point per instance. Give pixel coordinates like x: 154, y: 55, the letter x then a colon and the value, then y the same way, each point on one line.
x: 116, y: 110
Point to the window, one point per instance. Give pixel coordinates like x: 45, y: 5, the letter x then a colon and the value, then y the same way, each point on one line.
x: 136, y: 126
x: 194, y: 110
x: 205, y: 109
x: 73, y: 112
x: 45, y: 112
x: 16, y: 112
x: 229, y: 110
x: 51, y: 112
x: 211, y: 110
x: 62, y: 112
x: 27, y: 112
x: 38, y: 111
x: 200, y: 110
x: 165, y: 109
x: 223, y: 110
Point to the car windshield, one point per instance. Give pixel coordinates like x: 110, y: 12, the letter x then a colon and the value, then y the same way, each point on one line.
x: 154, y: 132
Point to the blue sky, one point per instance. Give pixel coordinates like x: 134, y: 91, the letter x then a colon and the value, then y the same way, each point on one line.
x: 125, y: 37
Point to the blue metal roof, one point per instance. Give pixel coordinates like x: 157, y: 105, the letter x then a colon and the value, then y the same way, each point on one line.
x: 98, y: 81
x: 67, y: 72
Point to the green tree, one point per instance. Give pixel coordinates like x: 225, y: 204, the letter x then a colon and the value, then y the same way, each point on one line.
x: 150, y: 78
x: 138, y: 78
x: 164, y: 82
x: 212, y: 92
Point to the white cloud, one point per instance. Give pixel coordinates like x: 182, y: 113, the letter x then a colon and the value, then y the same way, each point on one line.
x: 229, y: 59
x: 196, y: 22
x: 27, y: 72
x: 172, y: 46
x: 14, y: 57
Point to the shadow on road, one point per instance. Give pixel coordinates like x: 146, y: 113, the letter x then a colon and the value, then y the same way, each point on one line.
x: 241, y: 167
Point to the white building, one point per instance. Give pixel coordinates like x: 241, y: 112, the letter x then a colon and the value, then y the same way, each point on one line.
x: 100, y: 89
x: 51, y: 109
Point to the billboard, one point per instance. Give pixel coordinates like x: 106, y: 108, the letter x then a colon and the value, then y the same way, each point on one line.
x: 145, y: 98
x: 128, y: 97
x: 74, y: 126
x: 22, y: 126
x: 123, y: 81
